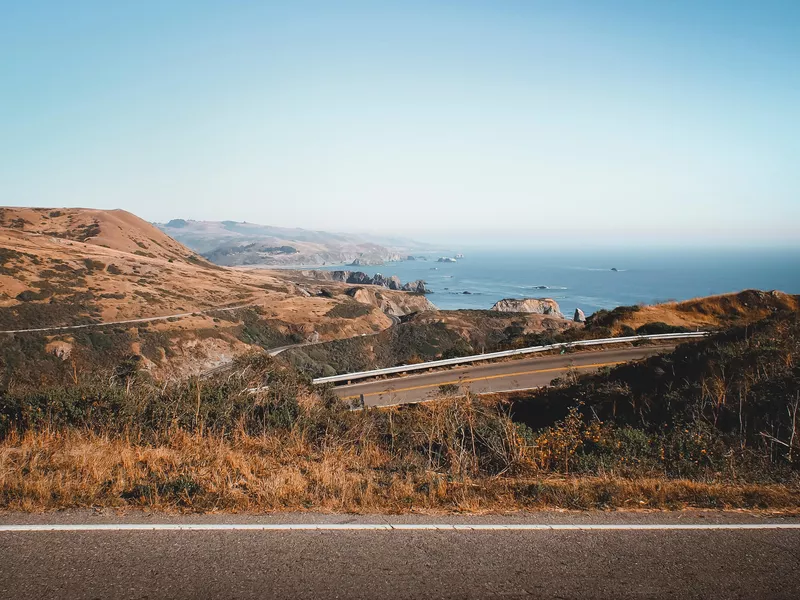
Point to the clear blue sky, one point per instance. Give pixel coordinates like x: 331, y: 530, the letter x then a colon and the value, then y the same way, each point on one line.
x: 645, y: 121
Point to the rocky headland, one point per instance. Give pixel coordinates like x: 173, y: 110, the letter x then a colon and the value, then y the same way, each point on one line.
x: 541, y: 306
x: 360, y: 278
x: 396, y: 305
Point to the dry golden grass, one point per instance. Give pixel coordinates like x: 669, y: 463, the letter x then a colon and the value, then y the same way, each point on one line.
x: 748, y: 306
x: 281, y: 472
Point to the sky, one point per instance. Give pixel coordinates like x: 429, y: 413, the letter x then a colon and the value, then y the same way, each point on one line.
x: 637, y: 122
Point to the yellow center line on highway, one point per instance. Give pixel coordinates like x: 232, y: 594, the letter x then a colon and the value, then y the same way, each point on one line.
x: 474, y: 379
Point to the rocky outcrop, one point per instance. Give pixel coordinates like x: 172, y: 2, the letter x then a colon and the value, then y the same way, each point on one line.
x: 393, y: 282
x: 446, y: 259
x: 361, y: 278
x: 542, y: 306
x: 397, y: 305
x: 417, y: 287
x: 579, y: 317
x: 366, y: 262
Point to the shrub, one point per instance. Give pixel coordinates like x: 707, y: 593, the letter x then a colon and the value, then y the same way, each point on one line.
x: 657, y: 327
x: 608, y: 318
x: 30, y: 295
x: 349, y: 310
x: 29, y: 315
x: 93, y: 265
x: 259, y: 331
x: 723, y: 406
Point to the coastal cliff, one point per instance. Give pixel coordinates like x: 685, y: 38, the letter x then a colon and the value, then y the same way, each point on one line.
x: 542, y: 306
x: 396, y: 305
x: 361, y: 278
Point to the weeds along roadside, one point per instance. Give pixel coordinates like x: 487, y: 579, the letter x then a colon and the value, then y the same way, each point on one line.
x: 213, y: 444
x: 203, y: 445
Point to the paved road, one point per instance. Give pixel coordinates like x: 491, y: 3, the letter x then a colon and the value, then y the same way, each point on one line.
x: 409, y: 563
x: 130, y: 321
x: 495, y: 377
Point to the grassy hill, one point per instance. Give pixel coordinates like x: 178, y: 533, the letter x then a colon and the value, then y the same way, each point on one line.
x: 112, y: 229
x: 68, y: 267
x: 711, y: 312
x: 724, y: 408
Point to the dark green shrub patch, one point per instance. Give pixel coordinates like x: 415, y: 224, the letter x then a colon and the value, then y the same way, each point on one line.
x: 349, y: 310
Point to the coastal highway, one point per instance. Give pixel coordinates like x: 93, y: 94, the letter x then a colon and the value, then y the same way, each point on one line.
x: 493, y: 377
x: 528, y: 555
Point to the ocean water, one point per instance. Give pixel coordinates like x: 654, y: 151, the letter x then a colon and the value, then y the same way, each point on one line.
x: 584, y: 279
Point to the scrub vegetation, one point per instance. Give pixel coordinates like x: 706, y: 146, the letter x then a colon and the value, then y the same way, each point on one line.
x: 448, y: 334
x: 714, y: 424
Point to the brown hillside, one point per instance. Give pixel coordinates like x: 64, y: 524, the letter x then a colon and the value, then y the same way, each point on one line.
x: 64, y: 267
x: 710, y: 312
x: 112, y: 229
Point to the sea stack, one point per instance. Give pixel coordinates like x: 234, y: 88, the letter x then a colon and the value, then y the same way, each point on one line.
x: 579, y: 316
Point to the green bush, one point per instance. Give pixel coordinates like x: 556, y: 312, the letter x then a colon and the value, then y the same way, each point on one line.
x: 657, y: 327
x: 349, y: 310
x: 608, y: 318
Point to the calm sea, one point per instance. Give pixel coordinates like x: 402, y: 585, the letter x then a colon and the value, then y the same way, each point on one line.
x: 585, y: 279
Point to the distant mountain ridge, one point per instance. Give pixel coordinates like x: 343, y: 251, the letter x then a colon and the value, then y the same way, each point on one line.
x: 232, y: 243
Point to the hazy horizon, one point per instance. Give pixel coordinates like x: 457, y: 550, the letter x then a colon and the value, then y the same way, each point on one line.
x: 528, y: 123
x: 487, y: 240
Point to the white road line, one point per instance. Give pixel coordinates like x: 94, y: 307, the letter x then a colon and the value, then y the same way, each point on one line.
x: 393, y: 527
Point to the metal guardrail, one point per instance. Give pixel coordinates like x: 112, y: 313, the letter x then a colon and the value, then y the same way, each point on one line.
x: 478, y: 357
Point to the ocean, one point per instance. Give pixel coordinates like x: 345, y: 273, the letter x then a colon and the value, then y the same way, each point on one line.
x: 585, y: 279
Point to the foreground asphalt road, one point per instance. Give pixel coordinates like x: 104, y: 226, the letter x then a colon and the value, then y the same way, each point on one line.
x: 417, y: 563
x: 495, y: 377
